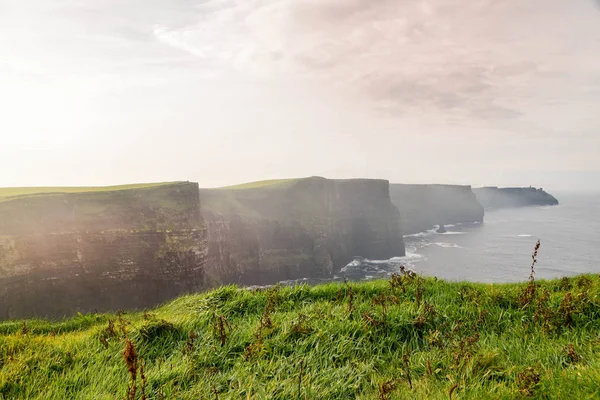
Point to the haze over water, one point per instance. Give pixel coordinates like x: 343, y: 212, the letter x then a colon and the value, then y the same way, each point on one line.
x: 499, y: 250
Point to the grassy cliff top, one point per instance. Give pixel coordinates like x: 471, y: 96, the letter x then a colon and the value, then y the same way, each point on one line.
x: 285, y: 199
x: 150, y: 206
x: 282, y: 183
x: 405, y: 339
x: 19, y: 192
x: 246, y: 199
x: 260, y: 184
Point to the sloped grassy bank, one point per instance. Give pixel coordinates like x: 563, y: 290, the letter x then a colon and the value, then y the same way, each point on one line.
x: 406, y: 338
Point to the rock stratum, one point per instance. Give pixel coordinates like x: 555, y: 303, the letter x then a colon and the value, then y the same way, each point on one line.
x: 422, y: 207
x: 62, y: 253
x: 493, y: 197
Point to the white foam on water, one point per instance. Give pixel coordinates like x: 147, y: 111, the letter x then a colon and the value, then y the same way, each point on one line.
x: 383, y: 267
x: 355, y: 263
x: 377, y: 261
x: 467, y: 223
x: 445, y: 245
x: 423, y: 234
x: 408, y: 260
x: 411, y: 256
x: 524, y: 235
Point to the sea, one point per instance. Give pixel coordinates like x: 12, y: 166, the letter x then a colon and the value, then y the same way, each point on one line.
x: 500, y: 249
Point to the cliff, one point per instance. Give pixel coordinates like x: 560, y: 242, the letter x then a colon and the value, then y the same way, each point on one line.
x: 104, y: 250
x: 494, y: 197
x: 424, y: 206
x: 309, y: 227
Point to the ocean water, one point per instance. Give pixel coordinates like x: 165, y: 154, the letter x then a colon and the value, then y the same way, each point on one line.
x: 499, y: 250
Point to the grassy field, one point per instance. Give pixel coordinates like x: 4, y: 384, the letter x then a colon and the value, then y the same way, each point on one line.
x: 15, y: 192
x: 406, y: 338
x: 242, y: 200
x: 259, y: 184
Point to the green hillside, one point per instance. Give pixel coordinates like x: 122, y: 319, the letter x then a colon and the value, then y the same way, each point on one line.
x: 147, y: 207
x: 18, y: 192
x: 401, y: 339
x: 260, y: 184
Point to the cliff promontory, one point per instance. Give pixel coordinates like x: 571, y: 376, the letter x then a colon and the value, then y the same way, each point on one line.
x: 494, y: 197
x: 298, y: 228
x: 424, y: 206
x: 68, y: 252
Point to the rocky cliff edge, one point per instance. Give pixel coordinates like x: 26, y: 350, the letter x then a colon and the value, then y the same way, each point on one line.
x: 62, y: 253
x: 424, y: 206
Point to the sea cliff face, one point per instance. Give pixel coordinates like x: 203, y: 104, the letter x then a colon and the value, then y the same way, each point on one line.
x: 82, y: 252
x: 494, y: 197
x: 424, y: 206
x: 62, y: 253
x: 309, y: 227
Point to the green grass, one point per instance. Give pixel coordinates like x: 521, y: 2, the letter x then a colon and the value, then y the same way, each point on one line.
x: 332, y: 341
x: 260, y: 184
x: 242, y: 200
x: 18, y: 192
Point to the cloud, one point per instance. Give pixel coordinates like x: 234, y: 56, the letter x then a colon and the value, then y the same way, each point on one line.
x: 449, y: 56
x: 176, y: 39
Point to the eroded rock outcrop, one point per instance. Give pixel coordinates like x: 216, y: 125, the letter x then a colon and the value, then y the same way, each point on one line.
x: 64, y: 253
x: 422, y: 207
x: 494, y: 197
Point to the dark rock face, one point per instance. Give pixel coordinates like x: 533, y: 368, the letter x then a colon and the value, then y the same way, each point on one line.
x: 64, y: 253
x: 59, y: 274
x: 441, y: 229
x: 494, y: 197
x: 306, y: 228
x: 424, y: 206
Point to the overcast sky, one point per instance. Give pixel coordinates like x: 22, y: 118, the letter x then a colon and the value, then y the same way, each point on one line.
x: 98, y: 92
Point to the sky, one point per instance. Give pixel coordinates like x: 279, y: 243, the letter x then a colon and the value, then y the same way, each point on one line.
x: 487, y: 92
